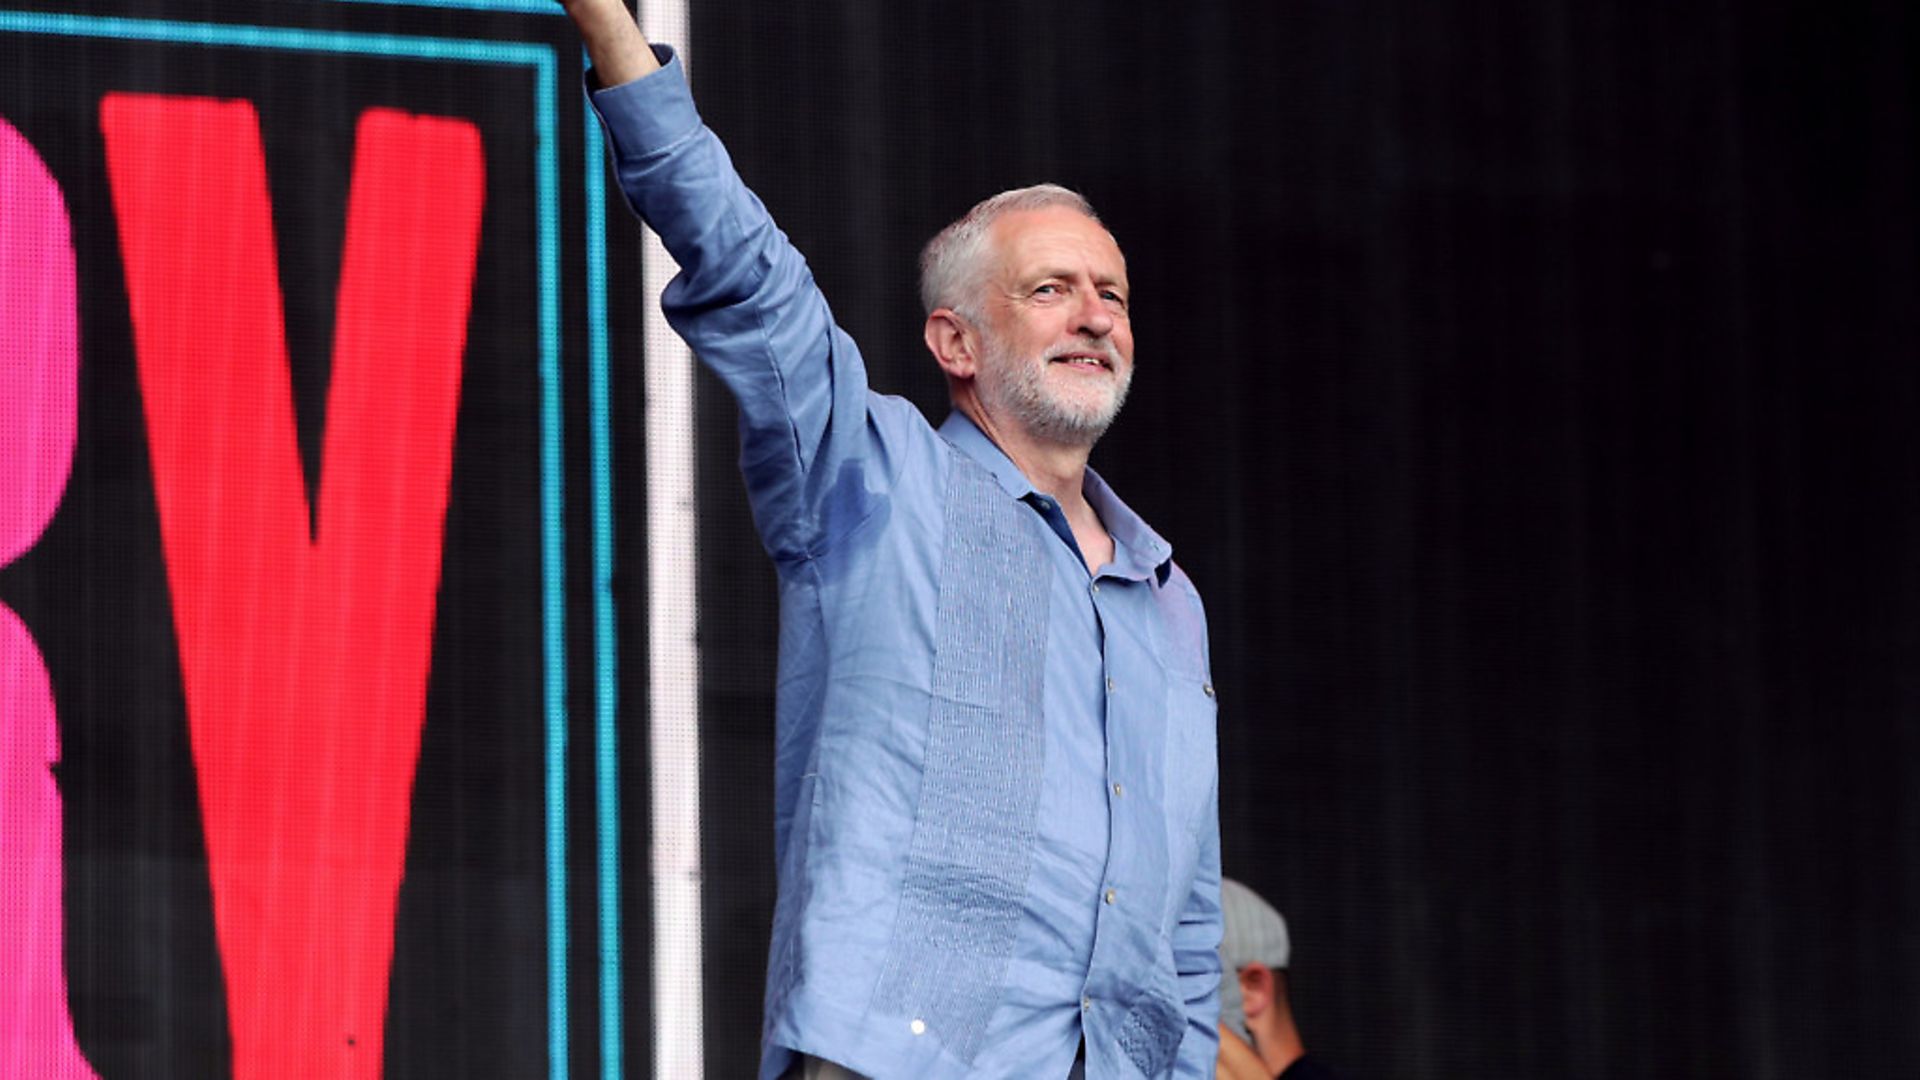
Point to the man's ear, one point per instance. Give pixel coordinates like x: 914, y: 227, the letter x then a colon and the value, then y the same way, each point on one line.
x: 952, y: 343
x: 1256, y: 989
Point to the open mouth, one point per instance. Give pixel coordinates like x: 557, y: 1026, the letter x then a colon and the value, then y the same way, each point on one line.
x: 1085, y: 361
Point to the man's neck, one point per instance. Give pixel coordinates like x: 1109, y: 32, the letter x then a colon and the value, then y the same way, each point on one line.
x: 1056, y: 469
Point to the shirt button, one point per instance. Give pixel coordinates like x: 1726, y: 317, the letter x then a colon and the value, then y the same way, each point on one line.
x: 1109, y: 686
x: 1086, y: 1003
x: 1208, y: 689
x: 918, y: 1027
x: 1096, y: 588
x: 1111, y: 896
x: 1119, y: 790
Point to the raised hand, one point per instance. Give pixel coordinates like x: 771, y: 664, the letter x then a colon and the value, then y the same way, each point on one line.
x: 619, y: 51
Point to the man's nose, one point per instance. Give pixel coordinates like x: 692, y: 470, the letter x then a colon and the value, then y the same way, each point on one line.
x: 1093, y: 317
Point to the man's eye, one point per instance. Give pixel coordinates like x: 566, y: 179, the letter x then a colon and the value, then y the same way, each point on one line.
x: 1046, y: 290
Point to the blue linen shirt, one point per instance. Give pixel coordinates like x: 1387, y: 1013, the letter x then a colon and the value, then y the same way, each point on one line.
x: 996, y: 821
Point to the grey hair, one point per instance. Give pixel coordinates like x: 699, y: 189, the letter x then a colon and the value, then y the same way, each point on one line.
x: 954, y: 263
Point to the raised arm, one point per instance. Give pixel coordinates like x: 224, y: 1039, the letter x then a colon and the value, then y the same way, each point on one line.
x: 744, y: 298
x: 620, y: 52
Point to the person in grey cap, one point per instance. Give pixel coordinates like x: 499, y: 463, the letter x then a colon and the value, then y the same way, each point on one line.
x: 1258, y: 1039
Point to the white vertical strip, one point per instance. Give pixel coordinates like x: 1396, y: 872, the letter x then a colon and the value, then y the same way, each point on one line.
x: 673, y: 649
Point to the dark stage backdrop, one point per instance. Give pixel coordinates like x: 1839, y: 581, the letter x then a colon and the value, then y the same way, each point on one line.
x: 1532, y: 394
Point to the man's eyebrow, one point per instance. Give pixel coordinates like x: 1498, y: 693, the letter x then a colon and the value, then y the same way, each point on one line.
x: 1047, y: 274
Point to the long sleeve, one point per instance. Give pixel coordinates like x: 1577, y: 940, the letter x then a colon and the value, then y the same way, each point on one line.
x: 747, y: 304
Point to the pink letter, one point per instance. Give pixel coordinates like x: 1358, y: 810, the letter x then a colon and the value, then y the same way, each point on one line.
x: 39, y: 374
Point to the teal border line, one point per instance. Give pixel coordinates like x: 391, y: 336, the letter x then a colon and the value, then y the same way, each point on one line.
x: 520, y: 7
x: 294, y: 39
x: 605, y: 653
x: 544, y: 63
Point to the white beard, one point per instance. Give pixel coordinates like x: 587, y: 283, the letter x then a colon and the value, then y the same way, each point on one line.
x: 1016, y: 387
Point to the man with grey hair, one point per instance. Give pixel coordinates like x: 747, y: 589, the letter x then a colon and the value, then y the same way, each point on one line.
x: 995, y: 819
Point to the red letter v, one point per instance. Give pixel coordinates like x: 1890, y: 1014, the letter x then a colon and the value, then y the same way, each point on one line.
x: 305, y: 661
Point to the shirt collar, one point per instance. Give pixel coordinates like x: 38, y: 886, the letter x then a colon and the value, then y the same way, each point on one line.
x: 1138, y: 550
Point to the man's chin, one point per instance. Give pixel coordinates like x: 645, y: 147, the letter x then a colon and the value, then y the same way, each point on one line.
x: 1095, y: 415
x: 1065, y: 415
x: 1077, y: 427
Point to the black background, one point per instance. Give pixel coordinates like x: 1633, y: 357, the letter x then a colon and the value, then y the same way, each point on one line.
x: 1529, y: 389
x: 1531, y: 392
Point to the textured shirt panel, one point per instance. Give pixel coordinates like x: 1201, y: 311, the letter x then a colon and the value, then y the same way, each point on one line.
x: 966, y: 873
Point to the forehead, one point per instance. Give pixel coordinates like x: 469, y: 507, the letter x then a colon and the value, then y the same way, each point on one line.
x: 1056, y: 239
